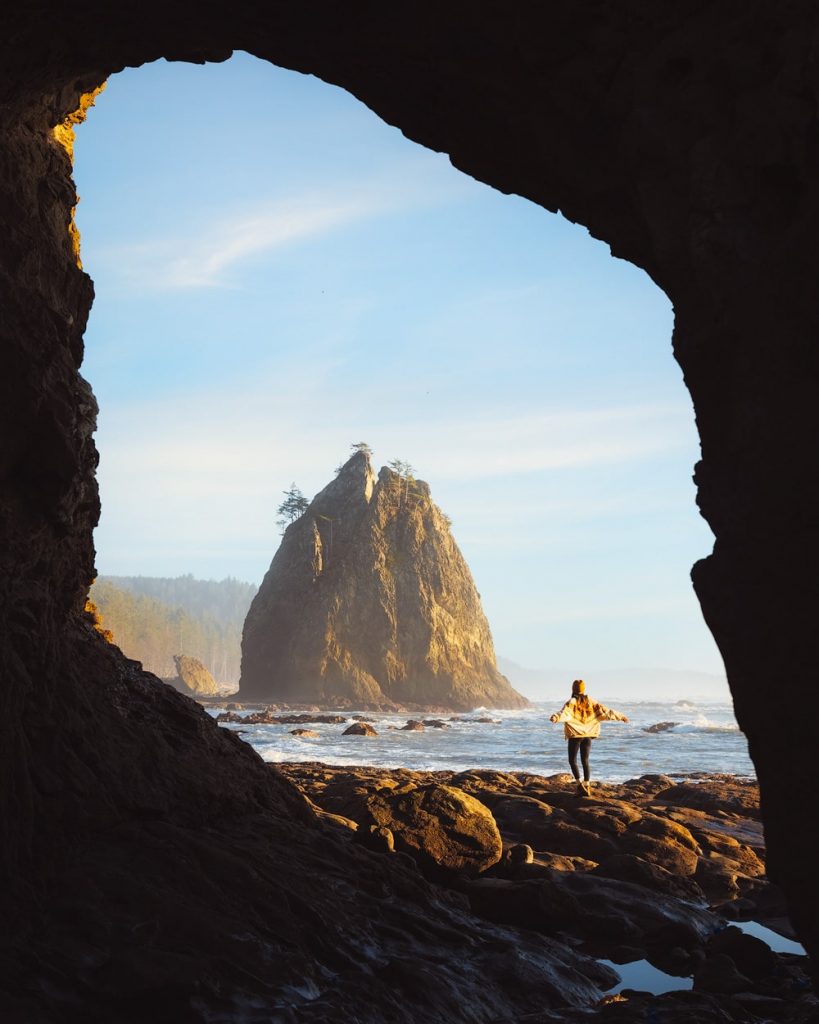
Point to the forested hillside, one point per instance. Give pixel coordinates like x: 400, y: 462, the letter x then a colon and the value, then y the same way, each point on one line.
x: 154, y: 618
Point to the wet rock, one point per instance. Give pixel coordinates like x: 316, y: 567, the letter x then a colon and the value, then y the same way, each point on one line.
x: 630, y: 868
x: 435, y: 723
x: 412, y: 726
x: 625, y: 954
x: 716, y: 794
x: 359, y: 729
x: 753, y: 957
x: 660, y: 727
x: 268, y: 717
x: 305, y: 733
x: 719, y: 974
x: 541, y: 905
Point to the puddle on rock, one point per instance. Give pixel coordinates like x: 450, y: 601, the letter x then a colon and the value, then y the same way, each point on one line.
x: 777, y: 942
x: 644, y: 977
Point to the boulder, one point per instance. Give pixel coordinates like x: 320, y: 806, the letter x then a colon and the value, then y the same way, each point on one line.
x: 192, y: 677
x: 359, y: 729
x: 446, y: 831
x: 305, y: 733
x: 412, y: 726
x: 519, y: 854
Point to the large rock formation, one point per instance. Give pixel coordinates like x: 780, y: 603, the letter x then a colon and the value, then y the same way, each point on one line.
x: 192, y: 677
x: 368, y: 600
x: 683, y: 134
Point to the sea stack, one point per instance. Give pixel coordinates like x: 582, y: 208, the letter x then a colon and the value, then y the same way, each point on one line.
x: 369, y: 602
x: 192, y: 677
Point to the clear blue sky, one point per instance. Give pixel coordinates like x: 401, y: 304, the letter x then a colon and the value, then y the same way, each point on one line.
x: 280, y: 274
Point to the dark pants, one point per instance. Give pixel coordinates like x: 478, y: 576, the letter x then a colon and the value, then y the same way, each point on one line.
x: 584, y: 746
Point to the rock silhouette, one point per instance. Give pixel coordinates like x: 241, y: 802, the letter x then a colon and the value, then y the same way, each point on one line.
x: 683, y: 136
x: 369, y: 601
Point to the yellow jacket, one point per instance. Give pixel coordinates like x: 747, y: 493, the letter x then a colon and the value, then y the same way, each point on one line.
x: 587, y: 726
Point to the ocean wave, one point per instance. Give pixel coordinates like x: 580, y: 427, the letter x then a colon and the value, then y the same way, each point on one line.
x: 703, y: 724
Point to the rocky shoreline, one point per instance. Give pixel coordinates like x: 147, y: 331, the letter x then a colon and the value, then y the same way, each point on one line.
x: 654, y: 870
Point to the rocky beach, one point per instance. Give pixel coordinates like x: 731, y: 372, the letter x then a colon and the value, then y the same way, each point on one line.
x: 655, y: 889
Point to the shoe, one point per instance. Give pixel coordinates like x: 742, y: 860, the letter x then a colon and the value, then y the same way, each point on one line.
x: 581, y: 790
x: 587, y: 788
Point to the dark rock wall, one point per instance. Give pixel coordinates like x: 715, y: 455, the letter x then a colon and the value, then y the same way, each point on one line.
x: 684, y: 134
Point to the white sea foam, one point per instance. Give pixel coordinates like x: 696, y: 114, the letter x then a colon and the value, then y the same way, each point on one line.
x: 704, y: 724
x: 705, y: 738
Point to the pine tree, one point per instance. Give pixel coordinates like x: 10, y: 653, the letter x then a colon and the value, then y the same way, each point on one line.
x: 294, y: 505
x: 406, y: 474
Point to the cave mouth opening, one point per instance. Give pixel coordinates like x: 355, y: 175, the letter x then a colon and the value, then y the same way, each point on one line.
x: 311, y: 277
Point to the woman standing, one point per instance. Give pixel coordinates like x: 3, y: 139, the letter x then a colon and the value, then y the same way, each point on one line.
x: 582, y: 717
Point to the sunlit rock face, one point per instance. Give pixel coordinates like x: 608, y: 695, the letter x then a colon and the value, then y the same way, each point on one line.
x: 192, y: 677
x: 369, y: 601
x: 683, y: 135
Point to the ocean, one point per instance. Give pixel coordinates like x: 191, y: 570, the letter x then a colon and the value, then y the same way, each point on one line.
x: 704, y: 738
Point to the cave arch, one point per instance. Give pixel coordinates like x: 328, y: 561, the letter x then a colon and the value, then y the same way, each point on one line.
x: 685, y: 138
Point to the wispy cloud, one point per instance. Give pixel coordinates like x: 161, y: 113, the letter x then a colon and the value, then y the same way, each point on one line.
x: 215, y: 246
x: 205, y: 257
x: 237, y: 438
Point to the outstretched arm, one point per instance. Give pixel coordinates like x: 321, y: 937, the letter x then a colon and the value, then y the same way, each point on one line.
x: 608, y: 715
x: 563, y: 714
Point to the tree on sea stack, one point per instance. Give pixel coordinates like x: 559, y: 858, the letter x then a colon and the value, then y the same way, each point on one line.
x: 406, y: 473
x: 294, y: 505
x: 393, y: 618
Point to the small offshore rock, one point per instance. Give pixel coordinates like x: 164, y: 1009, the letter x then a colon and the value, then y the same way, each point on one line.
x: 359, y: 729
x: 305, y: 733
x: 412, y: 726
x: 660, y: 727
